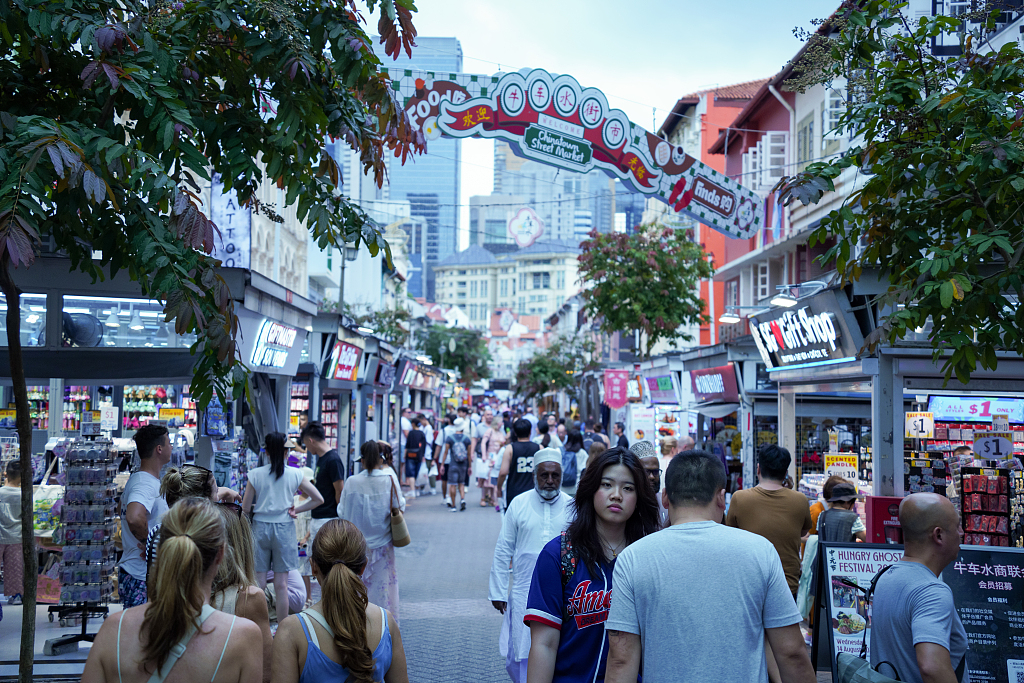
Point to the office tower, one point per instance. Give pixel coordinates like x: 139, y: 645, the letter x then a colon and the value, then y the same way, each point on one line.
x: 430, y: 182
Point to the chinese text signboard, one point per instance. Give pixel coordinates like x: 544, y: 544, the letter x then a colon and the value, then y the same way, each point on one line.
x: 615, y: 388
x: 845, y: 607
x: 553, y: 120
x: 988, y: 589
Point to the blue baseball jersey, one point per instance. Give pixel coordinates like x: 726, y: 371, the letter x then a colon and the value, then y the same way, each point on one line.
x: 578, y: 611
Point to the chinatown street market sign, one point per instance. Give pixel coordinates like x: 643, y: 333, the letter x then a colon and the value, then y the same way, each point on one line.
x: 553, y: 120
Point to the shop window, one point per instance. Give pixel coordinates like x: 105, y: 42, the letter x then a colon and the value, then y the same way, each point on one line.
x: 91, y: 321
x: 33, y: 320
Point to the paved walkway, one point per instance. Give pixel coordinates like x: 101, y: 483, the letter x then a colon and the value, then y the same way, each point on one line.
x: 449, y: 627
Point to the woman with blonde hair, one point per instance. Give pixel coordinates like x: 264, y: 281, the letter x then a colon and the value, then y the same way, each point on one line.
x: 176, y: 636
x: 187, y: 481
x: 366, y: 501
x: 235, y: 590
x: 344, y: 637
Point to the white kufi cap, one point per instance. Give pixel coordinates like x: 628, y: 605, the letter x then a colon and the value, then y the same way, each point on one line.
x: 547, y: 455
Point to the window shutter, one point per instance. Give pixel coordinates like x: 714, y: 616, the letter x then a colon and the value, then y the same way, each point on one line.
x: 773, y: 155
x: 751, y: 169
x: 835, y: 107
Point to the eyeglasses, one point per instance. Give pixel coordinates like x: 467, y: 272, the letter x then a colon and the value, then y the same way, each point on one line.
x: 233, y: 506
x: 209, y: 473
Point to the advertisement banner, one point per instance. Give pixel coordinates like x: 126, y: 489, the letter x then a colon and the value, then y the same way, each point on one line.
x: 642, y: 426
x: 975, y: 408
x: 345, y: 362
x: 615, y: 395
x: 715, y: 384
x: 988, y: 590
x: 845, y: 606
x: 234, y: 223
x: 175, y: 416
x: 662, y: 390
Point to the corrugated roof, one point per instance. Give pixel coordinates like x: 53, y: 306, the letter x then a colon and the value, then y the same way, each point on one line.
x: 475, y: 255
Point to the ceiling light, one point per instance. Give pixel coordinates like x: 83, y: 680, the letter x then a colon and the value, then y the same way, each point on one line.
x: 783, y: 299
x: 136, y: 323
x: 112, y: 320
x: 729, y: 318
x: 32, y: 318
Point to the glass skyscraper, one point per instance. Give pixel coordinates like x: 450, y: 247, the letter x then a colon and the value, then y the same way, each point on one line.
x: 431, y: 182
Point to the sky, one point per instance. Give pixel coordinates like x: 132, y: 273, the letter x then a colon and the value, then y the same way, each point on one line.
x: 642, y: 54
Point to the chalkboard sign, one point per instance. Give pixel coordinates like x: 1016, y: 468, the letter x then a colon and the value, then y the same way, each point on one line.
x: 846, y: 614
x: 988, y: 589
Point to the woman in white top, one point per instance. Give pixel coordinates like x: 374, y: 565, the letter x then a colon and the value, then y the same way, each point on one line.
x: 366, y: 501
x: 492, y: 441
x: 387, y: 454
x: 273, y: 487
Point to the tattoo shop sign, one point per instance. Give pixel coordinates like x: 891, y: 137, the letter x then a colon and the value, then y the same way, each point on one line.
x: 234, y: 223
x: 553, y: 120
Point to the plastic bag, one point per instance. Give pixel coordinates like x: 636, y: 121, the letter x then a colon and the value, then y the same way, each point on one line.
x: 422, y: 475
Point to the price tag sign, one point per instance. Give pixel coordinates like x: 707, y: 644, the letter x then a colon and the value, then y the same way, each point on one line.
x: 843, y: 465
x: 920, y: 425
x: 994, y: 446
x: 108, y: 418
x: 1001, y: 422
x: 833, y: 441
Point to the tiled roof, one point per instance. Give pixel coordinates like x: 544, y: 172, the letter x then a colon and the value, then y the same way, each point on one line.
x: 738, y: 91
x: 473, y: 256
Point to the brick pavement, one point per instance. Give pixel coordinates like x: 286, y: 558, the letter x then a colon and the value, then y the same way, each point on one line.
x: 448, y: 626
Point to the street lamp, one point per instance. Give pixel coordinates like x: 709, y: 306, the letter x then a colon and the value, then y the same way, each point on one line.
x: 784, y: 299
x: 728, y: 318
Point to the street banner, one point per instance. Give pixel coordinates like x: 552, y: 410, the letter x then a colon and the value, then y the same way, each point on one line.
x: 615, y: 395
x: 553, y: 120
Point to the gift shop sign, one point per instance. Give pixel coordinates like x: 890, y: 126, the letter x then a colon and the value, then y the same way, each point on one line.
x: 809, y: 334
x: 715, y: 384
x: 553, y: 120
x: 345, y: 362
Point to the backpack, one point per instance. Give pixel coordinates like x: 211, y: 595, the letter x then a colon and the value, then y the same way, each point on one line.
x: 588, y: 440
x: 567, y: 559
x: 459, y: 453
x: 568, y: 467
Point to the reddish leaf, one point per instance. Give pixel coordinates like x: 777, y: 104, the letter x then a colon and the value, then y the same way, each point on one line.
x: 111, y: 72
x: 90, y: 72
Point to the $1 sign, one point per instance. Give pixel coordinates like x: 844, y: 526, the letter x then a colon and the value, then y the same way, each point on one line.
x: 994, y: 446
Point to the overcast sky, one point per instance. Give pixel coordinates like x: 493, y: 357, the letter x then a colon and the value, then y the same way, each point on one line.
x: 643, y: 54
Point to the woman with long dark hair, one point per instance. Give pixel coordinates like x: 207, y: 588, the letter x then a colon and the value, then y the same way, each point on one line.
x: 574, y: 445
x: 176, y: 632
x: 614, y: 506
x: 273, y: 487
x: 344, y: 637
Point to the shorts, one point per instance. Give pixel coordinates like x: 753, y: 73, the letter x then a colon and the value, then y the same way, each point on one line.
x: 457, y: 473
x: 132, y: 591
x: 412, y: 467
x: 275, y: 546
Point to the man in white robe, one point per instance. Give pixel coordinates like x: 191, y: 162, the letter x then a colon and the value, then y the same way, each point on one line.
x: 532, y: 519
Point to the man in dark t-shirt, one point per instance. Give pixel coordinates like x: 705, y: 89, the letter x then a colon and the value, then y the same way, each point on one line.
x: 329, y: 477
x: 517, y: 461
x: 620, y: 432
x: 415, y: 444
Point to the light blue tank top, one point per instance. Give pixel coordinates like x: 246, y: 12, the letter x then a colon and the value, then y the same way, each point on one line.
x: 321, y: 669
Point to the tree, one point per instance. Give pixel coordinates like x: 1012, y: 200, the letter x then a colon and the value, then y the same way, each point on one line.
x: 390, y: 324
x: 648, y: 280
x: 112, y: 115
x: 556, y: 368
x: 937, y: 141
x: 470, y: 355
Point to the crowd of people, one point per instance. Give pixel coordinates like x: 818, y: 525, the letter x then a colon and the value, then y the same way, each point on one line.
x: 612, y: 560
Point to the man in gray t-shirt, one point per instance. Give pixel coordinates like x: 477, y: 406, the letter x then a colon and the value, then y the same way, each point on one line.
x: 914, y: 625
x: 698, y: 584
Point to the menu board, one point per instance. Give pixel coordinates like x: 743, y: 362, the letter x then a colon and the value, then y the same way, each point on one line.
x: 662, y: 390
x: 988, y: 587
x: 846, y: 609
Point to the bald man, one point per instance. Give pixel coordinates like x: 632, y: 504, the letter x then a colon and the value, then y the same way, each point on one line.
x: 915, y: 625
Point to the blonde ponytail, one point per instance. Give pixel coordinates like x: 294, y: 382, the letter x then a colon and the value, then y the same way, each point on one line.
x: 191, y: 536
x: 339, y: 551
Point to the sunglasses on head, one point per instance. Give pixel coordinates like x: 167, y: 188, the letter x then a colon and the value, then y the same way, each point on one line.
x: 198, y: 467
x: 233, y: 506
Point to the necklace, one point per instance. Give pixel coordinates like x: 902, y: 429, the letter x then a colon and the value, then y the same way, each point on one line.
x: 613, y: 550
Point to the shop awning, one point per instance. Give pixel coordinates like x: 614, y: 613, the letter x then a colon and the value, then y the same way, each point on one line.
x: 715, y: 410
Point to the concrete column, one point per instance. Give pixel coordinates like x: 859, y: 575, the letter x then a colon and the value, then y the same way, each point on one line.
x: 787, y: 428
x: 886, y: 458
x: 55, y: 427
x: 747, y: 449
x: 284, y: 403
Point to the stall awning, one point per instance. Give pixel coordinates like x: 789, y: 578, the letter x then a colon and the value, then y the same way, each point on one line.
x: 715, y: 410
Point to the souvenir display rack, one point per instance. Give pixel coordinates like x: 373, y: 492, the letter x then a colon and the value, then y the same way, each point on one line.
x: 88, y: 518
x: 300, y: 399
x: 1017, y: 508
x: 985, y: 505
x: 329, y: 418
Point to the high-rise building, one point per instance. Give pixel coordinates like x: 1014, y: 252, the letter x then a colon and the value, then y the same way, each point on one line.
x: 431, y: 182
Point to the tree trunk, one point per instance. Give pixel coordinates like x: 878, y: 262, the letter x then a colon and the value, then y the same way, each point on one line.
x: 24, y: 422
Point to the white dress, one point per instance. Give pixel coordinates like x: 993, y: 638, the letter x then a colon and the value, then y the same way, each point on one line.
x: 529, y: 523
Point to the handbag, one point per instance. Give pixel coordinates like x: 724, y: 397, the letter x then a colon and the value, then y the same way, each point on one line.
x: 852, y: 669
x: 399, y: 529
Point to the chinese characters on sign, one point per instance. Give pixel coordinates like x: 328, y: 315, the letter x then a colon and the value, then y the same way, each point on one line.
x: 615, y: 395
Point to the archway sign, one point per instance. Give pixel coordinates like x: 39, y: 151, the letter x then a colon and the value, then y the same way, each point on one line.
x: 552, y: 120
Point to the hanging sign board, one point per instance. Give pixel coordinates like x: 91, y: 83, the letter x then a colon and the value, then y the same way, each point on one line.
x: 843, y: 465
x: 975, y: 408
x: 919, y: 426
x: 551, y: 119
x: 615, y: 395
x: 108, y: 418
x: 1001, y: 422
x: 715, y: 384
x: 345, y: 362
x: 662, y: 390
x: 813, y: 333
x: 988, y: 590
x: 993, y: 445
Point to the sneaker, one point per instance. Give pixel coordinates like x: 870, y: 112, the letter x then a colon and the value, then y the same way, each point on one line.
x: 462, y: 506
x: 452, y: 509
x: 449, y: 504
x: 14, y: 599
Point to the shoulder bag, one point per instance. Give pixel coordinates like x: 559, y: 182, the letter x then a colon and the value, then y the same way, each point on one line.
x: 857, y: 669
x: 399, y: 529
